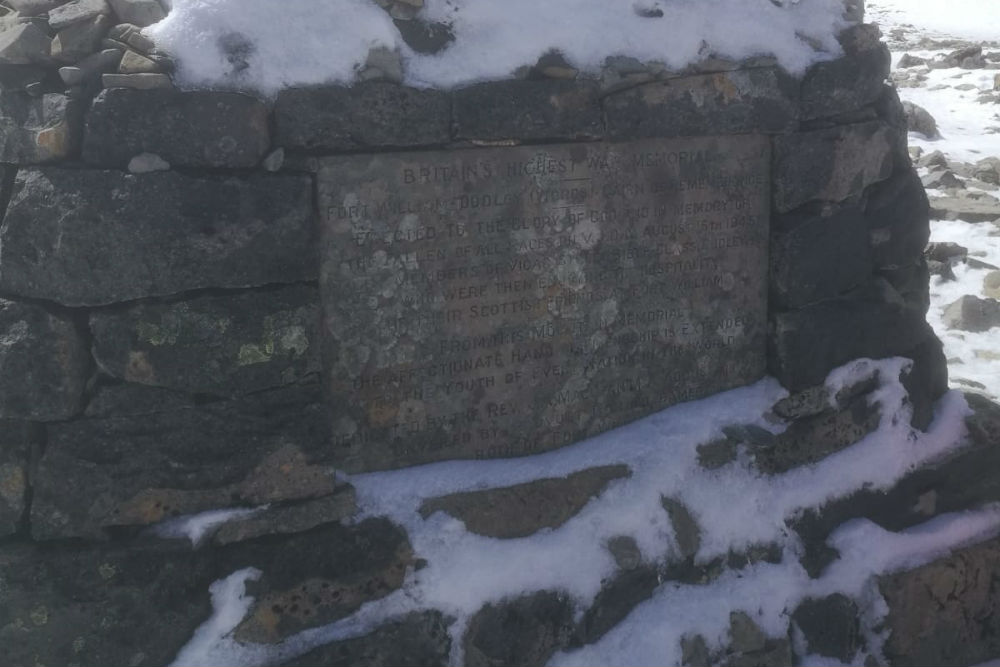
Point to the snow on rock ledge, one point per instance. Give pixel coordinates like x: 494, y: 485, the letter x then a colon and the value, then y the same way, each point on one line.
x: 266, y: 46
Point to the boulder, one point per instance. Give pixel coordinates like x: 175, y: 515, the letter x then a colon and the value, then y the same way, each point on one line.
x: 76, y: 11
x: 850, y: 82
x: 44, y: 363
x: 525, y: 631
x: 898, y: 219
x: 970, y: 313
x: 138, y: 12
x: 25, y: 44
x: 970, y: 207
x: 84, y: 237
x: 918, y: 119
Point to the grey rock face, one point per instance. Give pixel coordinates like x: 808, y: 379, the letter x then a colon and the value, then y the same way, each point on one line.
x: 96, y: 237
x: 819, y: 256
x: 742, y: 101
x: 416, y: 640
x: 138, y: 12
x: 965, y: 625
x: 970, y: 313
x: 527, y: 110
x: 369, y: 115
x: 830, y: 165
x: 35, y: 130
x: 292, y: 518
x: 525, y: 631
x: 43, y: 364
x: 222, y: 345
x: 137, y: 470
x: 918, y: 119
x: 15, y: 443
x: 898, y: 217
x: 850, y: 82
x: 80, y: 39
x: 25, y: 44
x: 545, y: 503
x: 197, y: 128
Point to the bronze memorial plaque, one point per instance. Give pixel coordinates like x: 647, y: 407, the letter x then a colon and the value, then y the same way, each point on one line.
x: 506, y: 301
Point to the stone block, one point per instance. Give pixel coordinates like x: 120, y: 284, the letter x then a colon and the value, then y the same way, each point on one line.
x: 418, y: 639
x: 830, y: 165
x: 293, y: 518
x: 16, y: 438
x: 221, y: 345
x: 76, y: 11
x: 873, y: 321
x: 525, y: 631
x: 202, y: 128
x: 528, y: 110
x: 25, y: 44
x: 819, y: 255
x: 35, y: 130
x: 946, y: 612
x: 529, y: 280
x: 616, y: 600
x: 138, y: 12
x: 140, y: 602
x: 850, y: 82
x: 98, y: 237
x: 371, y: 115
x: 44, y: 364
x: 737, y: 102
x: 136, y: 470
x: 830, y: 626
x: 898, y: 218
x: 544, y: 503
x: 970, y: 313
x: 77, y: 41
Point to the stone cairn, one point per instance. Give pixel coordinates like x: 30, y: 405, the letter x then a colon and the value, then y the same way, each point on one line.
x: 160, y: 337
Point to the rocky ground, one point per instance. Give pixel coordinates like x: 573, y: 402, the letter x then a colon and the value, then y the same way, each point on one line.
x: 951, y: 90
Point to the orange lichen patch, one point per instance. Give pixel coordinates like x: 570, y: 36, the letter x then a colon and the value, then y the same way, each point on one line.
x: 723, y: 83
x: 54, y: 140
x: 286, y: 475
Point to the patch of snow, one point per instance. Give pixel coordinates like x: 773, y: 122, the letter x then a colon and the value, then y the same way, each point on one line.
x: 266, y: 45
x: 196, y: 527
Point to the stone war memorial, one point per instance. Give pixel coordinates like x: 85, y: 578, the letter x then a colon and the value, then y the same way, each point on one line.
x: 624, y: 364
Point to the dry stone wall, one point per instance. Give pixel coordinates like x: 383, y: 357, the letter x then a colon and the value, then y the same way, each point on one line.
x: 176, y: 333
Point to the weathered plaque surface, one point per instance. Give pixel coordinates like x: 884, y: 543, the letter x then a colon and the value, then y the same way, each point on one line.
x: 505, y: 301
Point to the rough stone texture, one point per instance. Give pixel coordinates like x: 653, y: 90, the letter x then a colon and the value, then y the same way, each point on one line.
x: 830, y: 165
x: 370, y: 115
x: 970, y: 313
x: 97, y: 237
x: 830, y: 626
x: 200, y: 128
x: 139, y: 603
x: 813, y: 438
x: 821, y: 255
x: 953, y: 484
x: 544, y: 503
x: 315, y: 588
x: 138, y: 12
x: 736, y: 102
x: 527, y: 110
x: 525, y: 631
x: 15, y: 443
x: 898, y: 216
x: 290, y: 519
x: 76, y: 11
x: 43, y: 363
x: 416, y: 640
x: 615, y: 601
x: 945, y: 613
x: 34, y: 130
x: 850, y: 82
x: 140, y: 469
x: 79, y: 40
x: 25, y: 44
x: 222, y: 345
x: 873, y: 321
x: 529, y: 281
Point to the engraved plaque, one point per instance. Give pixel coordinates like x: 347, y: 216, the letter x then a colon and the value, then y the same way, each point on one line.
x: 506, y: 301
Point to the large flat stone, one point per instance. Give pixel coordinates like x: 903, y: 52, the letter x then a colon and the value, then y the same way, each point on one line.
x: 97, y: 237
x: 370, y: 115
x: 137, y: 470
x: 222, y: 345
x: 34, y: 130
x: 200, y: 128
x: 528, y: 110
x: 830, y: 165
x: 736, y: 102
x: 945, y: 613
x: 822, y: 255
x: 544, y: 503
x: 44, y: 364
x: 873, y: 321
x: 139, y: 602
x: 25, y: 44
x: 501, y: 302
